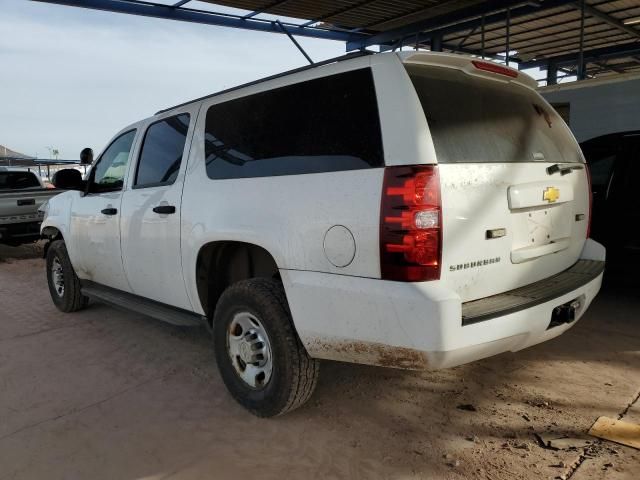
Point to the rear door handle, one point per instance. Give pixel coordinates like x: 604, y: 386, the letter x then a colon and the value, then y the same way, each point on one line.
x: 165, y: 209
x: 109, y: 211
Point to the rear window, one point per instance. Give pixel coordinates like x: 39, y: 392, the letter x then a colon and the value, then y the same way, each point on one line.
x: 322, y: 125
x: 477, y: 120
x: 18, y: 180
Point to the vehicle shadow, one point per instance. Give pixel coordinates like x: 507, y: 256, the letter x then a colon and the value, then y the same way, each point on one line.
x: 30, y: 250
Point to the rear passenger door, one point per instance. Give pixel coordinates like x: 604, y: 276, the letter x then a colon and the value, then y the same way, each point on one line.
x: 150, y: 222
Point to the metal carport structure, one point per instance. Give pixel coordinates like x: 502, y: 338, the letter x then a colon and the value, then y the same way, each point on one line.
x: 582, y: 38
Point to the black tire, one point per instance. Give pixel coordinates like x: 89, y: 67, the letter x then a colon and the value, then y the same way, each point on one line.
x: 71, y: 300
x: 294, y: 374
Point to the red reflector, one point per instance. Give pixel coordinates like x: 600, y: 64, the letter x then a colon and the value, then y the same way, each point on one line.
x: 495, y: 68
x: 411, y: 224
x: 586, y: 167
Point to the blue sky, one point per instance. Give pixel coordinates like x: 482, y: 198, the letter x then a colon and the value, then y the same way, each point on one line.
x: 71, y: 77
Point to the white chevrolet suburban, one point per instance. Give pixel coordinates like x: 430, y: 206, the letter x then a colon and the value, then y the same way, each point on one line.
x: 412, y: 210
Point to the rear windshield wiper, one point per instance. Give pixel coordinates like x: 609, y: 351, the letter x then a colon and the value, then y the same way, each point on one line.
x: 563, y: 168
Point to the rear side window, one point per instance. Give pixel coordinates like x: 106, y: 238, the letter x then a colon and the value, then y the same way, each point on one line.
x: 18, y: 180
x: 162, y: 150
x: 323, y: 125
x: 479, y: 120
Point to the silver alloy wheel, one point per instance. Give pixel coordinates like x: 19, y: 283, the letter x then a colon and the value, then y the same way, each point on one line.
x: 249, y: 349
x: 57, y: 276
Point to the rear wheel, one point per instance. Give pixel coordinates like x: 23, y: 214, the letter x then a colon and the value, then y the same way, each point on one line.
x: 64, y: 285
x: 259, y: 354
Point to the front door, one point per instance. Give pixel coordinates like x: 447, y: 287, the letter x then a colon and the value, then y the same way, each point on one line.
x: 95, y: 218
x: 151, y: 213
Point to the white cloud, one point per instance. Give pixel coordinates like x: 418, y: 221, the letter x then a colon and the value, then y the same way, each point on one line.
x: 71, y: 77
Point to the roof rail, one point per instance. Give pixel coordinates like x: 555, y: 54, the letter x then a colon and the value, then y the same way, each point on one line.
x: 342, y: 58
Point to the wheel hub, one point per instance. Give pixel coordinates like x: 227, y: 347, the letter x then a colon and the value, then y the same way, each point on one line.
x: 57, y: 276
x: 250, y: 350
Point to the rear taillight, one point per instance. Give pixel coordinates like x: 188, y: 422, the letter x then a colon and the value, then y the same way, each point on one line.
x: 411, y: 224
x: 586, y: 167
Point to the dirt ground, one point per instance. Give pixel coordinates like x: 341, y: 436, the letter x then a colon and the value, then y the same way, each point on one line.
x: 103, y: 394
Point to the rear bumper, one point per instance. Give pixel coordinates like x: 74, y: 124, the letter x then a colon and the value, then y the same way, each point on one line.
x: 581, y: 273
x: 418, y: 326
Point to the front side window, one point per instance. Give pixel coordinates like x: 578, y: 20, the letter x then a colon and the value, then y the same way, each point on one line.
x: 108, y: 173
x: 322, y: 125
x: 162, y: 151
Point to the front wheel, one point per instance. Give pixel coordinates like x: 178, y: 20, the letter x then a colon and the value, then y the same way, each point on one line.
x: 259, y: 354
x: 64, y: 285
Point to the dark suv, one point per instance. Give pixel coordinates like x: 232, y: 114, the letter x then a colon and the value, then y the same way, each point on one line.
x: 614, y: 161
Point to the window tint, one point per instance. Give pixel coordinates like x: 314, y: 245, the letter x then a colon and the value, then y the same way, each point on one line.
x: 601, y: 170
x: 479, y: 120
x: 108, y: 173
x: 323, y: 125
x: 18, y: 180
x: 162, y: 150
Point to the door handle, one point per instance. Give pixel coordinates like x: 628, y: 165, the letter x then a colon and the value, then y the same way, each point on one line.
x: 109, y: 211
x: 164, y: 209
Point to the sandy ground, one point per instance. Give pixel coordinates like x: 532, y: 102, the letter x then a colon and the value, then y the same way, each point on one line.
x: 103, y: 394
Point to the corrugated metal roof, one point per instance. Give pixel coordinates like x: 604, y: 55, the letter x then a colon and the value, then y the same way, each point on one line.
x: 372, y: 15
x: 545, y: 33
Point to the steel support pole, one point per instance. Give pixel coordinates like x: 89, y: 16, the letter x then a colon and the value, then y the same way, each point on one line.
x: 436, y: 43
x: 581, y: 67
x: 508, y: 36
x: 552, y: 73
x: 295, y: 42
x: 482, y: 36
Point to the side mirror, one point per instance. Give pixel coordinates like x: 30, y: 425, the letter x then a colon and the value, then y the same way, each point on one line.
x: 86, y: 156
x: 68, y: 179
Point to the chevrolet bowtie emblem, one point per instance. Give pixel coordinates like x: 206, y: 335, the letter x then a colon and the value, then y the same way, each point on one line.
x: 551, y: 194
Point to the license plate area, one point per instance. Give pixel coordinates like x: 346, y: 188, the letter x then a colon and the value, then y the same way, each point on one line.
x: 540, y: 226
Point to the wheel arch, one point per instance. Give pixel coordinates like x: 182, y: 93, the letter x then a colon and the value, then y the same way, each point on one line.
x: 52, y: 234
x: 224, y: 262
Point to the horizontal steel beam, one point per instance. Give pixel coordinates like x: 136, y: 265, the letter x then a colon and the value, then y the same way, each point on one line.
x: 170, y: 12
x: 604, y: 53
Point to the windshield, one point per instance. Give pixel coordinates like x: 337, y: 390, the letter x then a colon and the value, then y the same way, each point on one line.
x: 18, y: 180
x: 479, y: 120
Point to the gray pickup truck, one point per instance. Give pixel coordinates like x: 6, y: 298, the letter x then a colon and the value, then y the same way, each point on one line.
x: 21, y: 195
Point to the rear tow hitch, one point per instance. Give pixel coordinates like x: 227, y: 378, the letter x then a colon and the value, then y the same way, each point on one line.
x: 566, y: 313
